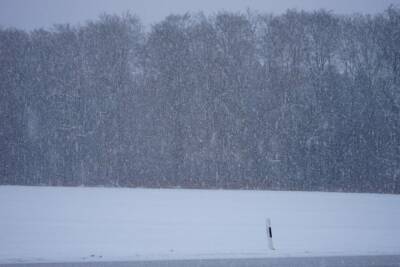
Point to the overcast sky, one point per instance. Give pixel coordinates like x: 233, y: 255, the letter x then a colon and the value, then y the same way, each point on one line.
x: 31, y: 14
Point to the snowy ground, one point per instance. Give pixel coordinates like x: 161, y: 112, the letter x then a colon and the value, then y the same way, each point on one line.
x: 45, y: 224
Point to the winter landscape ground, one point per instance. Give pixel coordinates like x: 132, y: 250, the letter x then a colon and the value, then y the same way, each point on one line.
x: 58, y: 224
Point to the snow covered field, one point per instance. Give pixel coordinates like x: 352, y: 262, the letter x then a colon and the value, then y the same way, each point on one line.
x: 49, y: 224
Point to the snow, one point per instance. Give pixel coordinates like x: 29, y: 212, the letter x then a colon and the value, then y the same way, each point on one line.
x: 59, y: 224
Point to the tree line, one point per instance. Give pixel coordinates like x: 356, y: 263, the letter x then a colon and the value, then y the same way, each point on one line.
x: 297, y: 101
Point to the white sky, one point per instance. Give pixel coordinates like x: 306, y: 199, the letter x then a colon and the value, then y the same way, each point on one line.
x: 31, y: 14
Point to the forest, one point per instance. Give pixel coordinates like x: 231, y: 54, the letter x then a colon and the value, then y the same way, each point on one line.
x: 295, y: 101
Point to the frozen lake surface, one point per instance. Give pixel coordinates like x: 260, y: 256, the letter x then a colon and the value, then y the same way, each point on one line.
x: 55, y: 224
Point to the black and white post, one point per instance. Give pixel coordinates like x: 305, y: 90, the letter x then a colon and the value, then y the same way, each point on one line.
x: 269, y: 234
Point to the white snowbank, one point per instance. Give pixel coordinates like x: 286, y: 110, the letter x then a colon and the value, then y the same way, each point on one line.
x: 45, y: 224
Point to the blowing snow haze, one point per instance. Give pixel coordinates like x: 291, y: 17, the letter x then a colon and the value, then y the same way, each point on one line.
x: 114, y: 113
x: 44, y: 13
x: 292, y: 100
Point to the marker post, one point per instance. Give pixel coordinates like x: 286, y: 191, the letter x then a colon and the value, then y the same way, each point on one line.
x: 269, y: 234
